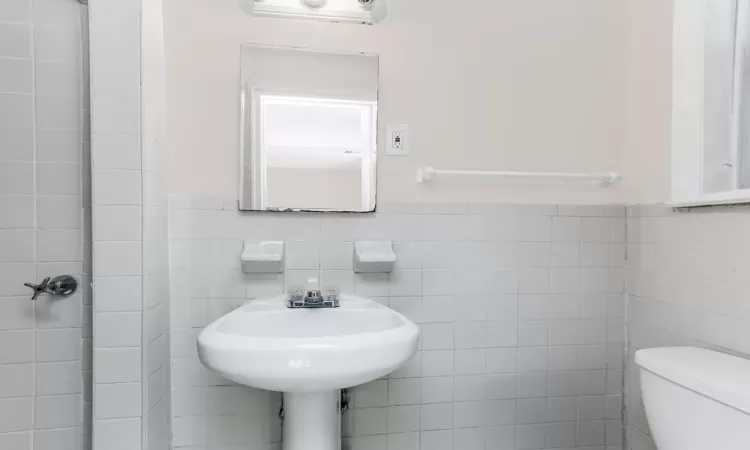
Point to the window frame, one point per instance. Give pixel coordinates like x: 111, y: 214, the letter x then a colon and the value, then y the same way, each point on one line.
x: 688, y: 109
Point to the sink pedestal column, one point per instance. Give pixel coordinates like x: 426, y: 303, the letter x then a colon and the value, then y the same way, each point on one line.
x: 312, y: 421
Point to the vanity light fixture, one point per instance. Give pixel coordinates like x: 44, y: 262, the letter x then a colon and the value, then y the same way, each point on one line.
x: 365, y: 12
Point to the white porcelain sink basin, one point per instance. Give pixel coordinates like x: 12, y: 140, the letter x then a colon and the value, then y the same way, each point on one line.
x: 266, y: 345
x: 309, y: 355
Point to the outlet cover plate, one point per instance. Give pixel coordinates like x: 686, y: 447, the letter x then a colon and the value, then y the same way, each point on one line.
x: 397, y: 141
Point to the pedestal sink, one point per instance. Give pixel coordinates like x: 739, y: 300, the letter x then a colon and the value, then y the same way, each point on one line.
x: 309, y: 355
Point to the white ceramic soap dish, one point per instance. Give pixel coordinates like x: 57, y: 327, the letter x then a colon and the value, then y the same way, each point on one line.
x: 263, y: 257
x: 374, y: 257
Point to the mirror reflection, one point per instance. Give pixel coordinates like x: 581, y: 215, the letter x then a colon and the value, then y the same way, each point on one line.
x: 309, y: 130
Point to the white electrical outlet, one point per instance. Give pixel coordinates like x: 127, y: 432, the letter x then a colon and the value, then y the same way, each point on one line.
x: 398, y: 141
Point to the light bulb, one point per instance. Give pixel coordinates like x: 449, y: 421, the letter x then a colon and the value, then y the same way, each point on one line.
x: 378, y: 10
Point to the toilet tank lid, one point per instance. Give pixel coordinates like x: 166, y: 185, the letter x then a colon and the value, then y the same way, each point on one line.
x: 719, y: 376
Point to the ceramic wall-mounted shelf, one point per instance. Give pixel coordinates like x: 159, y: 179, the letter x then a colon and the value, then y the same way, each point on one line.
x: 263, y: 257
x: 374, y: 257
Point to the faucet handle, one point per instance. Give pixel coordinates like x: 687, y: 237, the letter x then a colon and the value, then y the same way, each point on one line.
x: 331, y: 297
x: 39, y: 289
x: 296, y: 296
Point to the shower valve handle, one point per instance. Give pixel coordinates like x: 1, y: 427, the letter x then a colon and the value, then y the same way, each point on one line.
x: 62, y: 285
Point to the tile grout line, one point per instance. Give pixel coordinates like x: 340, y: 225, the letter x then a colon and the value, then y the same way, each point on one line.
x: 143, y: 247
x: 82, y: 213
x: 32, y: 49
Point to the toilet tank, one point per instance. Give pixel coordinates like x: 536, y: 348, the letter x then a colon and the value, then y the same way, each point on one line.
x: 696, y: 399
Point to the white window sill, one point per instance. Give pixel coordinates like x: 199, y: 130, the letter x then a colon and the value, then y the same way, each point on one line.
x: 718, y: 199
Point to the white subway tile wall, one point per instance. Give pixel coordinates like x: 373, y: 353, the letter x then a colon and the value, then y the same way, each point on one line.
x: 155, y: 234
x: 45, y: 390
x: 687, y: 281
x: 130, y: 242
x: 520, y: 307
x: 118, y: 255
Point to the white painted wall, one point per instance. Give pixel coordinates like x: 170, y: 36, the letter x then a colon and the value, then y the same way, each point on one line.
x: 532, y: 85
x: 648, y: 107
x: 295, y: 72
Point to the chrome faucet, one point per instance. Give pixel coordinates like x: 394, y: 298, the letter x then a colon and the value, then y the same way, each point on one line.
x: 313, y: 298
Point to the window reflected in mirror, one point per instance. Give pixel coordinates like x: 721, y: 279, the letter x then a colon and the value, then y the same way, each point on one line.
x: 309, y: 135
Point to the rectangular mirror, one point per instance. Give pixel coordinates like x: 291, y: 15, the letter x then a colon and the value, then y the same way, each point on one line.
x: 309, y: 130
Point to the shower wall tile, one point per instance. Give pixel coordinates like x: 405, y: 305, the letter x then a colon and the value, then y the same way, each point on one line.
x: 119, y: 223
x: 118, y: 434
x: 131, y: 263
x: 59, y: 378
x: 59, y: 146
x: 118, y: 401
x: 120, y: 329
x: 16, y: 144
x: 520, y: 308
x: 59, y: 212
x: 117, y: 365
x: 46, y: 12
x: 116, y: 114
x: 15, y: 40
x: 60, y: 439
x: 58, y: 79
x: 17, y: 178
x: 117, y: 151
x: 58, y: 345
x: 15, y: 76
x: 117, y: 247
x: 58, y: 111
x: 17, y: 245
x: 16, y: 110
x: 16, y: 414
x: 16, y: 380
x: 15, y: 12
x: 58, y: 178
x: 59, y: 245
x: 57, y: 43
x: 157, y: 408
x: 57, y: 411
x: 117, y: 187
x: 14, y: 314
x: 117, y: 259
